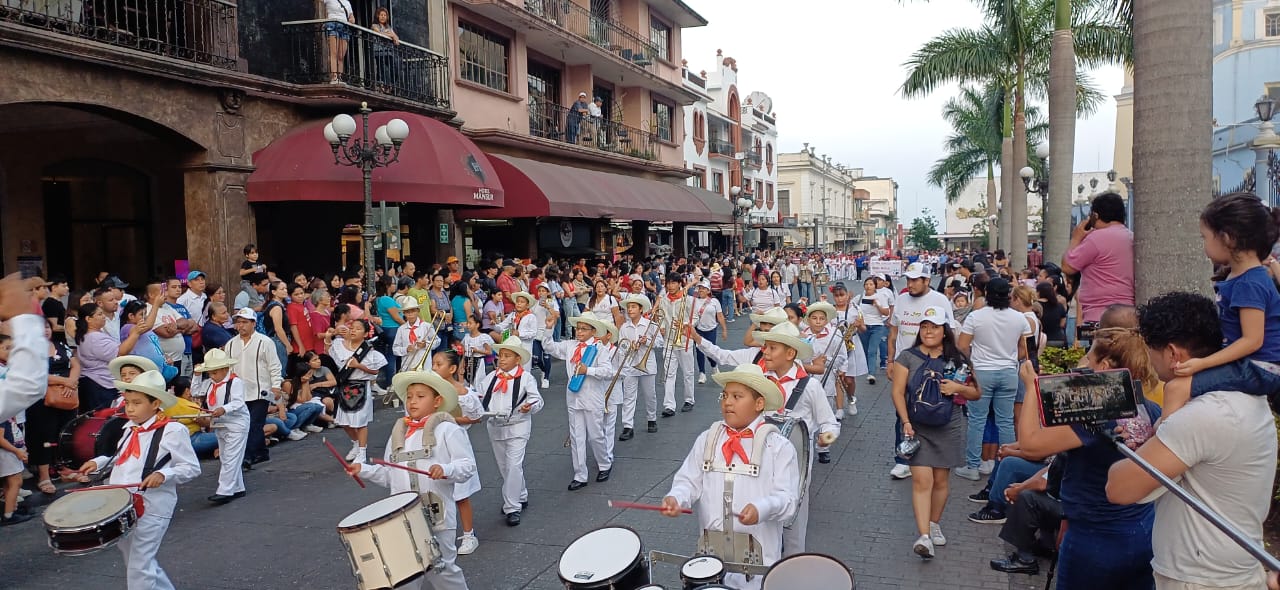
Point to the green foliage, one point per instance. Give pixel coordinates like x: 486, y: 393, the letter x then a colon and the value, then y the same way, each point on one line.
x: 922, y: 230
x: 1055, y: 360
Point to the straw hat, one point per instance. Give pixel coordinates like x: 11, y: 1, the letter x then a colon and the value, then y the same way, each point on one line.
x: 590, y: 318
x: 401, y: 382
x: 774, y: 316
x: 513, y: 344
x: 152, y: 384
x: 613, y: 331
x: 787, y: 334
x: 641, y: 300
x: 215, y: 359
x: 407, y: 303
x: 121, y: 362
x: 529, y: 299
x: 824, y: 307
x: 752, y: 376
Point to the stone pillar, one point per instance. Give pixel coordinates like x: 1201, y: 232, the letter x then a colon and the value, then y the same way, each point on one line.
x: 639, y: 239
x: 22, y: 223
x: 442, y: 252
x: 680, y: 239
x: 219, y: 220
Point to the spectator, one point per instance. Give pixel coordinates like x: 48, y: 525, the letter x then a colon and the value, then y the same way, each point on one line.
x: 254, y: 292
x: 140, y: 340
x: 174, y: 326
x: 904, y: 325
x: 339, y: 14
x: 995, y: 337
x: 1101, y: 251
x: 56, y: 290
x: 1035, y: 515
x: 45, y: 421
x: 213, y: 334
x: 506, y: 283
x: 875, y: 310
x: 95, y: 349
x: 573, y: 120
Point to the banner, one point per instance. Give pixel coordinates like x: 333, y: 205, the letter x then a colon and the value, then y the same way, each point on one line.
x: 893, y: 268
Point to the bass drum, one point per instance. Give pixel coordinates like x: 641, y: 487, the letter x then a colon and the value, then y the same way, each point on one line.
x: 808, y: 570
x: 610, y: 557
x: 86, y: 436
x: 796, y: 431
x: 389, y: 542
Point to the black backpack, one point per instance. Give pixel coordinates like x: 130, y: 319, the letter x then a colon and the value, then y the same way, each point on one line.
x: 925, y: 403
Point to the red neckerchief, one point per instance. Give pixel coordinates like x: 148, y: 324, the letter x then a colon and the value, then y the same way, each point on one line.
x: 780, y: 381
x: 733, y: 444
x: 504, y: 378
x: 212, y: 400
x: 413, y: 332
x: 134, y: 448
x: 415, y: 425
x: 577, y: 353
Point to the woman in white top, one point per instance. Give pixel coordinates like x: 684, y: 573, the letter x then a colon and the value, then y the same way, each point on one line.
x: 777, y: 284
x: 761, y: 298
x: 994, y: 337
x: 875, y: 308
x: 362, y: 372
x: 339, y: 13
x: 603, y: 304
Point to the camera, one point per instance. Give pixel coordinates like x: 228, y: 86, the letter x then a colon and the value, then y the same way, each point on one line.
x: 1087, y: 397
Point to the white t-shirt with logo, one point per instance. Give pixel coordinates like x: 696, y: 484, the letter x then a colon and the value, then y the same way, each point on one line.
x: 996, y: 334
x: 909, y: 310
x: 870, y: 313
x: 705, y: 312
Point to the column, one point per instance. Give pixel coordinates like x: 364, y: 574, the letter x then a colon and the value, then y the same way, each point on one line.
x: 218, y: 218
x: 454, y: 245
x: 680, y: 239
x: 640, y: 239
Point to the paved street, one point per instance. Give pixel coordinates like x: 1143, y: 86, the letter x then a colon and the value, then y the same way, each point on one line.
x: 282, y: 534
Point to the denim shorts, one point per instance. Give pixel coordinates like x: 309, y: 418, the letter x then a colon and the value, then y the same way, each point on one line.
x: 337, y: 29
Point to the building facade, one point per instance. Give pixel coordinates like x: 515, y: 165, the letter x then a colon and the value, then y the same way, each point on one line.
x: 827, y: 201
x: 967, y: 219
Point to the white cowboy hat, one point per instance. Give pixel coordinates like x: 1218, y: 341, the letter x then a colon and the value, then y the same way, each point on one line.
x: 774, y: 316
x: 824, y: 307
x: 613, y: 331
x: 215, y: 359
x: 752, y: 376
x: 152, y: 384
x: 121, y: 362
x: 787, y: 334
x: 529, y: 298
x: 407, y: 303
x: 513, y: 344
x: 401, y: 382
x: 641, y: 300
x: 589, y: 318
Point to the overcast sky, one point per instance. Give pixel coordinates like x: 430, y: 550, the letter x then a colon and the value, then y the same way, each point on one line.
x: 833, y: 68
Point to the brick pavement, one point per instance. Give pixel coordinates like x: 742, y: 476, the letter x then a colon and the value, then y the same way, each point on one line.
x: 282, y: 534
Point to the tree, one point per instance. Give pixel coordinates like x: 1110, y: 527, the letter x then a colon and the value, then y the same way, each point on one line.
x: 922, y: 230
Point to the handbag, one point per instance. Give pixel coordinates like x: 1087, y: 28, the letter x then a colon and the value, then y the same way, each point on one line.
x: 352, y: 394
x: 56, y: 397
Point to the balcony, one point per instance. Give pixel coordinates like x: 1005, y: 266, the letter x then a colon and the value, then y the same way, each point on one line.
x: 602, y: 32
x: 694, y: 79
x: 552, y: 121
x: 753, y: 159
x: 373, y: 63
x: 198, y: 31
x: 723, y: 149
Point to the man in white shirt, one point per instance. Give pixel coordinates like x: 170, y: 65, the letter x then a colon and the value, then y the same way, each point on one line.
x: 194, y: 298
x: 259, y: 366
x: 108, y: 299
x: 28, y: 374
x: 790, y: 272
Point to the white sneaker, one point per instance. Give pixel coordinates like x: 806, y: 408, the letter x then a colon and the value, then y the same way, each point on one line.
x: 468, y: 545
x: 331, y: 425
x: 360, y: 456
x: 852, y: 408
x: 968, y: 473
x: 374, y: 387
x: 23, y: 492
x: 935, y: 534
x: 702, y: 378
x: 351, y: 455
x: 900, y: 471
x: 296, y: 434
x: 715, y: 370
x: 313, y: 428
x: 986, y: 467
x: 923, y: 547
x: 545, y: 384
x: 871, y: 379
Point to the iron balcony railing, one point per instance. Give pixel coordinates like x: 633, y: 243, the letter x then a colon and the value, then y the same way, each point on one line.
x: 753, y: 159
x: 603, y: 32
x: 201, y: 31
x: 721, y: 148
x: 371, y: 62
x: 552, y: 121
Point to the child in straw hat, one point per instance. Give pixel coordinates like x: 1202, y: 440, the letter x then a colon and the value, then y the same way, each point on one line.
x: 224, y: 397
x: 588, y: 421
x: 510, y: 398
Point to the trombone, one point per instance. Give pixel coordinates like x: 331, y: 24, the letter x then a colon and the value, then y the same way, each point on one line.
x: 437, y: 323
x: 675, y: 333
x: 622, y: 366
x: 650, y: 337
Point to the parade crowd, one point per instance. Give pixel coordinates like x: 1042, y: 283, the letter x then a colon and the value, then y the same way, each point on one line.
x: 183, y: 369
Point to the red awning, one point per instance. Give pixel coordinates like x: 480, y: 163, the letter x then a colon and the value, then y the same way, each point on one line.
x: 540, y: 189
x: 437, y: 165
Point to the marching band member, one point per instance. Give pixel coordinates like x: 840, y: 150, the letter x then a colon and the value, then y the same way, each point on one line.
x: 824, y: 337
x: 427, y: 436
x: 415, y: 339
x: 476, y: 346
x: 588, y: 421
x: 741, y: 493
x: 707, y: 315
x: 510, y: 397
x: 447, y: 364
x: 223, y: 395
x: 522, y: 323
x: 742, y: 356
x: 849, y: 315
x: 677, y: 307
x: 804, y: 399
x: 157, y: 452
x: 636, y: 381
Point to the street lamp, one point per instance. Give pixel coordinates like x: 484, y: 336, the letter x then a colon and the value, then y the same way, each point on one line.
x: 1263, y: 144
x: 741, y: 206
x: 382, y: 150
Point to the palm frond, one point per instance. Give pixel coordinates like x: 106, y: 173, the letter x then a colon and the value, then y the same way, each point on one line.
x: 957, y: 55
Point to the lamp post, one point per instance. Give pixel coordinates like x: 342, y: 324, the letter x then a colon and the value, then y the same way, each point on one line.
x: 741, y: 206
x: 1263, y: 144
x: 382, y: 150
x: 1040, y: 186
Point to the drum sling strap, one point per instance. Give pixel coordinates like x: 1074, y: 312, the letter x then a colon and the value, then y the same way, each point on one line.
x: 515, y: 386
x: 727, y: 544
x: 796, y: 392
x: 150, y: 464
x: 433, y: 503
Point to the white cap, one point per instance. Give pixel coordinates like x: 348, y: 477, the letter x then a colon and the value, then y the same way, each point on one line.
x: 244, y: 313
x: 917, y: 271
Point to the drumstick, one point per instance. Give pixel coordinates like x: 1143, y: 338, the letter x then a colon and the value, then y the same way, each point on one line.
x: 639, y: 506
x: 116, y: 486
x: 404, y: 467
x: 342, y: 461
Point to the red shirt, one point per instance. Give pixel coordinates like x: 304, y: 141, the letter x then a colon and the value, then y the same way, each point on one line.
x: 507, y: 285
x: 317, y: 324
x: 297, y: 313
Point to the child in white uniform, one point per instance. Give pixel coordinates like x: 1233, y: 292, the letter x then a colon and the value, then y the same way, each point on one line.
x: 172, y: 462
x: 476, y: 347
x: 751, y: 461
x: 510, y: 398
x: 356, y: 374
x: 223, y: 395
x: 826, y: 342
x: 587, y: 419
x: 415, y: 339
x: 637, y: 382
x: 677, y: 307
x: 448, y: 365
x: 523, y: 323
x: 428, y: 439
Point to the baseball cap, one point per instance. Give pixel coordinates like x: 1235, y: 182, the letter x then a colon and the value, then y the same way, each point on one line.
x: 114, y: 282
x: 839, y: 286
x: 704, y: 283
x: 999, y: 288
x: 582, y: 94
x: 917, y: 271
x: 934, y: 315
x: 451, y: 260
x: 246, y: 314
x: 191, y: 276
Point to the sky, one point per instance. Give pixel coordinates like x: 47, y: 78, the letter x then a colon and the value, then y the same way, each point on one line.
x: 833, y: 69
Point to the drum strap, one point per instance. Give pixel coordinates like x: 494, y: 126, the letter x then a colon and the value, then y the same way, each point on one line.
x: 796, y: 392
x: 751, y: 469
x: 515, y: 386
x: 150, y: 465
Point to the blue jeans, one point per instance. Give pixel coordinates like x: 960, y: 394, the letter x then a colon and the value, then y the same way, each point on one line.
x: 709, y: 336
x: 306, y: 414
x: 541, y: 359
x: 805, y: 290
x: 1117, y: 559
x: 727, y: 304
x: 998, y: 387
x: 284, y: 356
x: 1009, y: 471
x: 873, y: 339
x: 1070, y: 331
x: 283, y: 427
x: 204, y: 443
x: 884, y: 352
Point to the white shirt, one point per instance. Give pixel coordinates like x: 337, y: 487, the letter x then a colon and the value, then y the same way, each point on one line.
x: 789, y: 273
x: 907, y: 313
x: 452, y: 452
x: 996, y: 333
x: 194, y: 302
x: 633, y: 331
x: 762, y: 300
x: 812, y: 407
x: 372, y: 359
x: 28, y: 374
x: 473, y: 346
x: 183, y: 465
x: 706, y: 313
x: 258, y: 364
x: 174, y: 346
x: 230, y: 397
x: 870, y: 313
x: 508, y: 421
x: 599, y: 372
x: 400, y: 346
x: 337, y: 9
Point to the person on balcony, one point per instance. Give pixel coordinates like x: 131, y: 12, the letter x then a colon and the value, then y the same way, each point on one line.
x: 339, y: 13
x: 595, y: 130
x: 384, y: 54
x: 573, y: 121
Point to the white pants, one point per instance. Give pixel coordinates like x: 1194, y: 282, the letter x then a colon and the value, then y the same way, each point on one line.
x: 590, y: 426
x: 685, y: 363
x: 631, y: 389
x: 509, y: 453
x: 231, y: 445
x: 446, y: 576
x: 139, y: 548
x: 793, y: 536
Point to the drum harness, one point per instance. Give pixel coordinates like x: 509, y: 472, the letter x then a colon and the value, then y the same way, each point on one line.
x: 149, y: 464
x: 515, y: 403
x: 434, y: 503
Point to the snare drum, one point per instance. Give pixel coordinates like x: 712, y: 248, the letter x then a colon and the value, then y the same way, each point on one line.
x: 608, y: 557
x: 808, y: 570
x: 389, y: 542
x: 796, y: 431
x: 88, y: 522
x: 699, y: 571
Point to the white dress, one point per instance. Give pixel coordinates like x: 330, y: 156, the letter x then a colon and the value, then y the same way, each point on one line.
x: 473, y: 409
x: 374, y: 360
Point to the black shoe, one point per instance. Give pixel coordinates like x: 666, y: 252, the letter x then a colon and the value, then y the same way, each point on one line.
x: 15, y: 519
x: 824, y: 457
x: 687, y: 407
x: 981, y: 497
x: 513, y: 519
x: 576, y: 485
x: 524, y: 505
x: 603, y: 475
x: 627, y: 433
x: 261, y: 459
x: 246, y: 466
x: 667, y: 413
x: 1013, y: 565
x: 220, y: 499
x: 239, y: 494
x: 987, y: 516
x: 653, y: 426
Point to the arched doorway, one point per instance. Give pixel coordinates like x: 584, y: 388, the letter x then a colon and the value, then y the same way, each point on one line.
x: 97, y: 216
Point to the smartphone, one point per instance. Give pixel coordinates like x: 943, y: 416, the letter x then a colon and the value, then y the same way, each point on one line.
x: 868, y: 301
x: 1087, y: 397
x: 1093, y: 218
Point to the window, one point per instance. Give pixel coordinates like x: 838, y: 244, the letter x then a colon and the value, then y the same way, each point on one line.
x: 699, y: 177
x: 544, y: 97
x: 483, y: 56
x: 1273, y: 25
x: 662, y: 119
x: 660, y: 36
x: 717, y: 182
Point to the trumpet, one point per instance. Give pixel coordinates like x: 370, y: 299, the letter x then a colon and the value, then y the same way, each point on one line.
x: 650, y: 337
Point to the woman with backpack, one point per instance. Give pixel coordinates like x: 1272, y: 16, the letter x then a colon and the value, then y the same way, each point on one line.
x: 929, y: 380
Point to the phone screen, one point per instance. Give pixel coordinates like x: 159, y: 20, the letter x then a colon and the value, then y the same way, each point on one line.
x: 1086, y: 398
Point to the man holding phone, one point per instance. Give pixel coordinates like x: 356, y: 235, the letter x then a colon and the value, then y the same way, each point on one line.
x: 1101, y: 251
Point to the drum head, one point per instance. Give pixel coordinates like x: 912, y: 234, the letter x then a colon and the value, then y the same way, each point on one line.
x: 377, y: 510
x: 808, y: 570
x: 703, y: 567
x: 600, y: 555
x: 85, y: 508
